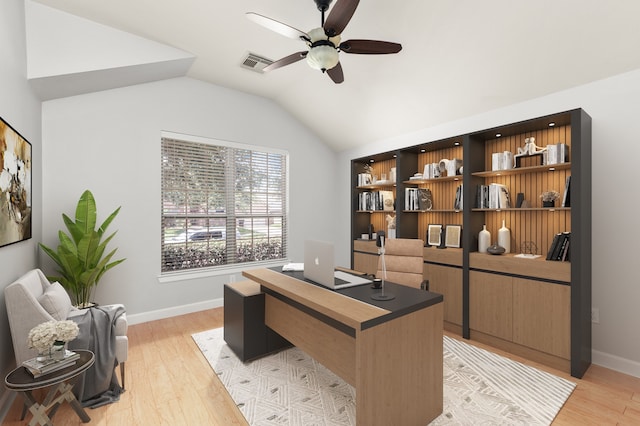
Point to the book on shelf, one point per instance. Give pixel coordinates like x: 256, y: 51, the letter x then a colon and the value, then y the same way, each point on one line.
x: 557, y: 153
x: 553, y: 245
x: 387, y: 200
x: 375, y: 200
x: 482, y: 196
x: 458, y: 203
x: 39, y: 367
x: 418, y: 199
x: 566, y: 198
x: 559, y: 248
x: 431, y: 171
x: 425, y: 199
x: 364, y: 179
x: 498, y: 196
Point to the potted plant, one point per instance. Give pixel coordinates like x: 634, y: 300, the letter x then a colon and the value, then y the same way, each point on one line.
x: 80, y: 256
x: 549, y: 198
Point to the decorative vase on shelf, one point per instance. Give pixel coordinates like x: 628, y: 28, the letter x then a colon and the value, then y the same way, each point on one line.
x: 484, y: 239
x: 504, y: 238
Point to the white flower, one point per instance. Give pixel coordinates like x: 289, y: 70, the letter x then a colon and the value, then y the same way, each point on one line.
x: 43, y: 336
x: 66, y: 330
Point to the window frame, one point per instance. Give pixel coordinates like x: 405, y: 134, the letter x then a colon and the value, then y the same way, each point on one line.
x: 236, y: 267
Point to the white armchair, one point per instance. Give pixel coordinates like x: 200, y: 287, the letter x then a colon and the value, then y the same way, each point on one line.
x: 32, y: 300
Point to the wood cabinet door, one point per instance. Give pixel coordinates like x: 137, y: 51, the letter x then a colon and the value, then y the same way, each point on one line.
x: 491, y: 304
x: 542, y: 316
x: 448, y: 282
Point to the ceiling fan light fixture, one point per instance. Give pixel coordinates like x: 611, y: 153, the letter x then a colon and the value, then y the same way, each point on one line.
x: 323, y: 57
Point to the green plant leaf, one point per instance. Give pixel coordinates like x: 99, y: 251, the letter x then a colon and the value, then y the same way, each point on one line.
x: 107, y: 221
x: 79, y: 256
x: 86, y: 212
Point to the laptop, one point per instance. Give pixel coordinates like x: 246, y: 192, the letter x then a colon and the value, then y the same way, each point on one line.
x: 319, y: 267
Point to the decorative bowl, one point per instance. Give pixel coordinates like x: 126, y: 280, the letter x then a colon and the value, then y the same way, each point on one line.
x: 495, y: 249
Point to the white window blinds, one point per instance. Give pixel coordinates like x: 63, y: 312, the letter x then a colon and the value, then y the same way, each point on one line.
x: 222, y: 204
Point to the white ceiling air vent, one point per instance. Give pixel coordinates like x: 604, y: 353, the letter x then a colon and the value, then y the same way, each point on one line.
x: 255, y: 62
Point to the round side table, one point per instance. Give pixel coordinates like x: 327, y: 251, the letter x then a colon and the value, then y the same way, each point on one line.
x: 23, y: 382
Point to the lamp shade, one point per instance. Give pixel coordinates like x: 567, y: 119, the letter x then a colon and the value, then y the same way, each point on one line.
x: 322, y: 57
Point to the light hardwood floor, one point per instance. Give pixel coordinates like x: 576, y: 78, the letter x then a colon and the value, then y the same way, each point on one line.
x: 170, y: 383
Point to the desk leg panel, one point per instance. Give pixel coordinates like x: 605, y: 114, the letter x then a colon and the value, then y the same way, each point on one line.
x: 327, y: 345
x: 399, y: 370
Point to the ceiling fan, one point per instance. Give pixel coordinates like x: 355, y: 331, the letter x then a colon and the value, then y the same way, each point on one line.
x: 324, y: 43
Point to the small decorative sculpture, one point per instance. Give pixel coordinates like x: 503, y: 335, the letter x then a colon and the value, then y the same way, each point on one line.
x: 530, y: 147
x: 451, y: 167
x: 391, y: 222
x: 529, y: 248
x: 391, y: 226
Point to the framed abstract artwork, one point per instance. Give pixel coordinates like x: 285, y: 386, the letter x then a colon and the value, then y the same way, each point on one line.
x: 15, y: 186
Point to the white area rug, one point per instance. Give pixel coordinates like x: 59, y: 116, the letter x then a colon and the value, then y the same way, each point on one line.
x: 291, y: 388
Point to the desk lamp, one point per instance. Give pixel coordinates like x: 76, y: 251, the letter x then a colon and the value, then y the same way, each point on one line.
x: 382, y: 295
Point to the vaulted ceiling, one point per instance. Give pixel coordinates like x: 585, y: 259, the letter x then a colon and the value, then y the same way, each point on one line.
x: 459, y: 58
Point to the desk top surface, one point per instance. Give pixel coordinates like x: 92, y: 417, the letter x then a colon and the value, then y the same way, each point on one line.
x: 352, y: 306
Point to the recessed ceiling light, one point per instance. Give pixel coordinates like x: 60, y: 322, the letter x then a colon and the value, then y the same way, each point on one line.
x: 423, y: 150
x: 372, y: 160
x: 552, y: 124
x: 498, y: 135
x: 456, y: 143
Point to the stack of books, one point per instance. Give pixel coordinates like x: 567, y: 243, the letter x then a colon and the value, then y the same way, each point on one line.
x: 493, y: 196
x: 559, y: 249
x: 38, y: 367
x: 418, y: 199
x: 376, y: 200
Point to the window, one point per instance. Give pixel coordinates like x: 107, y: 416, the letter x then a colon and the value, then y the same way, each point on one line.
x: 222, y: 203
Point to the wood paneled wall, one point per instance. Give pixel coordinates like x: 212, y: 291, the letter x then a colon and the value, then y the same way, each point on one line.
x: 443, y: 192
x: 530, y: 225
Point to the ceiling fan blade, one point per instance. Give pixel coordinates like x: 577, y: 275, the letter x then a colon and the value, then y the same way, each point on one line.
x: 340, y: 16
x: 336, y: 74
x: 369, y: 47
x: 276, y: 26
x: 287, y: 60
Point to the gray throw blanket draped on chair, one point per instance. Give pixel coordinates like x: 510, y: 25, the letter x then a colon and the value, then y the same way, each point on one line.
x: 99, y: 385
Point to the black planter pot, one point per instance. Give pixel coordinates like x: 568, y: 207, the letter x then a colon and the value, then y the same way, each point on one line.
x: 548, y: 204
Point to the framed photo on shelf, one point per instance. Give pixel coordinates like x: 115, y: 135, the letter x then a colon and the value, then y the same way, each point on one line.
x: 434, y: 235
x: 453, y: 234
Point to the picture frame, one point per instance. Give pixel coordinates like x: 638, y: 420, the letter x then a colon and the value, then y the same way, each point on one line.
x: 15, y: 186
x: 434, y: 235
x: 453, y: 236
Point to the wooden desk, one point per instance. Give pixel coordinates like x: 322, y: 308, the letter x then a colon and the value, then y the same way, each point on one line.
x: 390, y: 351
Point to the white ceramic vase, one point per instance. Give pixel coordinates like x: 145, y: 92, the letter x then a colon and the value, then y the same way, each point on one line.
x: 484, y: 239
x: 504, y: 238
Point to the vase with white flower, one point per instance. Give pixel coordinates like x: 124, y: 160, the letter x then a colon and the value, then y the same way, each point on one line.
x: 49, y: 338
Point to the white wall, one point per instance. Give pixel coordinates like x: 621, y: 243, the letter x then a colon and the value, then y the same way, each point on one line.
x: 20, y: 108
x: 613, y: 105
x: 109, y: 142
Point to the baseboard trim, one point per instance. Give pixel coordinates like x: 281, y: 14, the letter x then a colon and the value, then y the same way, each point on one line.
x: 616, y: 363
x: 174, y: 311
